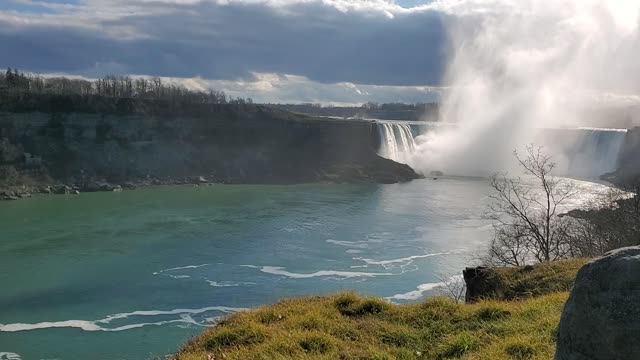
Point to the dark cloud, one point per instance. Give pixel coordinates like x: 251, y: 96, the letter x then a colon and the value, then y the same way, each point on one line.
x: 232, y: 41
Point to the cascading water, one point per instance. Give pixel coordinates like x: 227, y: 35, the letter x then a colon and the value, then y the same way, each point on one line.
x: 396, y: 142
x: 584, y: 153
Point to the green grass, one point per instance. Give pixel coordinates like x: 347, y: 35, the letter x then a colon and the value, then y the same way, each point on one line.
x: 528, y: 281
x: 348, y: 326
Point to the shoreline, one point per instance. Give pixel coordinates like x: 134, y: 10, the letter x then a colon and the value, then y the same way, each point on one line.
x: 19, y: 192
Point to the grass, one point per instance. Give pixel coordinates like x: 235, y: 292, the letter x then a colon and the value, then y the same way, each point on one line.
x: 528, y: 281
x: 352, y: 327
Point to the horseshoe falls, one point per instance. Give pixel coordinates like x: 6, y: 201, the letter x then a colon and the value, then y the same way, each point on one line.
x: 585, y: 153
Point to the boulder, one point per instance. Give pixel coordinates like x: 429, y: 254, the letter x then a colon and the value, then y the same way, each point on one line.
x: 92, y: 186
x: 8, y: 195
x: 61, y: 189
x: 106, y: 187
x: 198, y: 180
x: 481, y: 283
x: 601, y: 319
x: 129, y: 185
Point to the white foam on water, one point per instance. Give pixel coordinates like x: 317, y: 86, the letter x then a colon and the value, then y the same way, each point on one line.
x: 178, y: 276
x: 421, y: 289
x: 185, y: 316
x: 81, y: 324
x: 224, y: 309
x: 352, y: 244
x: 399, y: 260
x: 228, y: 283
x: 9, y: 356
x: 275, y: 270
x: 181, y: 268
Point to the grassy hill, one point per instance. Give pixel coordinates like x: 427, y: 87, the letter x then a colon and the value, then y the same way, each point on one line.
x: 520, y: 324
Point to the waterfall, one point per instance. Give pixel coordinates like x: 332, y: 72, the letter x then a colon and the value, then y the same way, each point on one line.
x: 585, y: 152
x: 396, y: 141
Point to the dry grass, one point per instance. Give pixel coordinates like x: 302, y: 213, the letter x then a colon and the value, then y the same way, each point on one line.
x: 348, y: 326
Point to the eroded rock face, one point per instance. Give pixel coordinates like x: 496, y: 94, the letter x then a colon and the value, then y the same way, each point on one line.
x: 227, y: 144
x: 601, y: 319
x: 481, y: 283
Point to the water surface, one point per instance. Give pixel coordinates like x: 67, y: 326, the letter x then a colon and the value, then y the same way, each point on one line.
x: 132, y: 275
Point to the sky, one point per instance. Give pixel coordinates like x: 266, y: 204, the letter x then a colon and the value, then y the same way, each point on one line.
x: 328, y: 51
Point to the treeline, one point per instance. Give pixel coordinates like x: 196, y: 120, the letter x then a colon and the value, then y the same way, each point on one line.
x: 31, y: 90
x: 385, y: 111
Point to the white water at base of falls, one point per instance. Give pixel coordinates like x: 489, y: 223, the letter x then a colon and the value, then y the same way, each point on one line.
x: 583, y: 153
x: 396, y: 142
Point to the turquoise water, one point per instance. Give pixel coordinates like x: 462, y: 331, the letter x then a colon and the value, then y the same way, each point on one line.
x: 132, y: 275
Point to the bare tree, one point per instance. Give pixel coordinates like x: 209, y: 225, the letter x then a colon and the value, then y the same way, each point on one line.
x: 453, y: 288
x: 612, y: 222
x: 527, y: 225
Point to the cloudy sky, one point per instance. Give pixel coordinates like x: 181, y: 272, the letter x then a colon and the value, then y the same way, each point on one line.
x: 348, y: 51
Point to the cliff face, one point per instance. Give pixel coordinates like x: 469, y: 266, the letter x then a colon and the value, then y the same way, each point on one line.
x: 628, y: 172
x: 235, y: 144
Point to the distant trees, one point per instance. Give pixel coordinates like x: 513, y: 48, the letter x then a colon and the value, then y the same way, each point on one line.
x: 392, y: 111
x: 125, y: 87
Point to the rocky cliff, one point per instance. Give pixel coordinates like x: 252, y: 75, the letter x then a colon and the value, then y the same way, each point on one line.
x: 231, y: 144
x: 628, y: 171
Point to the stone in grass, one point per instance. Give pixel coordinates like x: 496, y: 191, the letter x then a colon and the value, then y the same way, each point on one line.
x: 601, y: 319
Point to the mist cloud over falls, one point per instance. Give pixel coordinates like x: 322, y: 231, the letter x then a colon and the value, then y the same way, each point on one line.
x: 523, y: 65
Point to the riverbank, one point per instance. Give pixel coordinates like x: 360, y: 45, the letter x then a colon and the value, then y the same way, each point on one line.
x: 520, y: 323
x: 70, y: 152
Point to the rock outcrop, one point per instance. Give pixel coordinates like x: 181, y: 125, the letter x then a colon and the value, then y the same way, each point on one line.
x: 601, y: 319
x: 481, y: 282
x: 628, y: 168
x: 226, y: 144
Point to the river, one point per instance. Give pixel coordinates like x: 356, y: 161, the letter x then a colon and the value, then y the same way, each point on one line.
x: 132, y: 275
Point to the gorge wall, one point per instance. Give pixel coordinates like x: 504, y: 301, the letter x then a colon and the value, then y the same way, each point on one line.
x: 628, y: 170
x: 233, y: 144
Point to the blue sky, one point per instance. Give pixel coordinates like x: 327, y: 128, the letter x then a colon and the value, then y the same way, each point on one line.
x: 395, y: 48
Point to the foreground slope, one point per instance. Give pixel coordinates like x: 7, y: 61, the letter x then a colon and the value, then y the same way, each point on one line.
x: 348, y: 326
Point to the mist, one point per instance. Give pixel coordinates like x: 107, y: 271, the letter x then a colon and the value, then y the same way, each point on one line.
x: 522, y: 65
